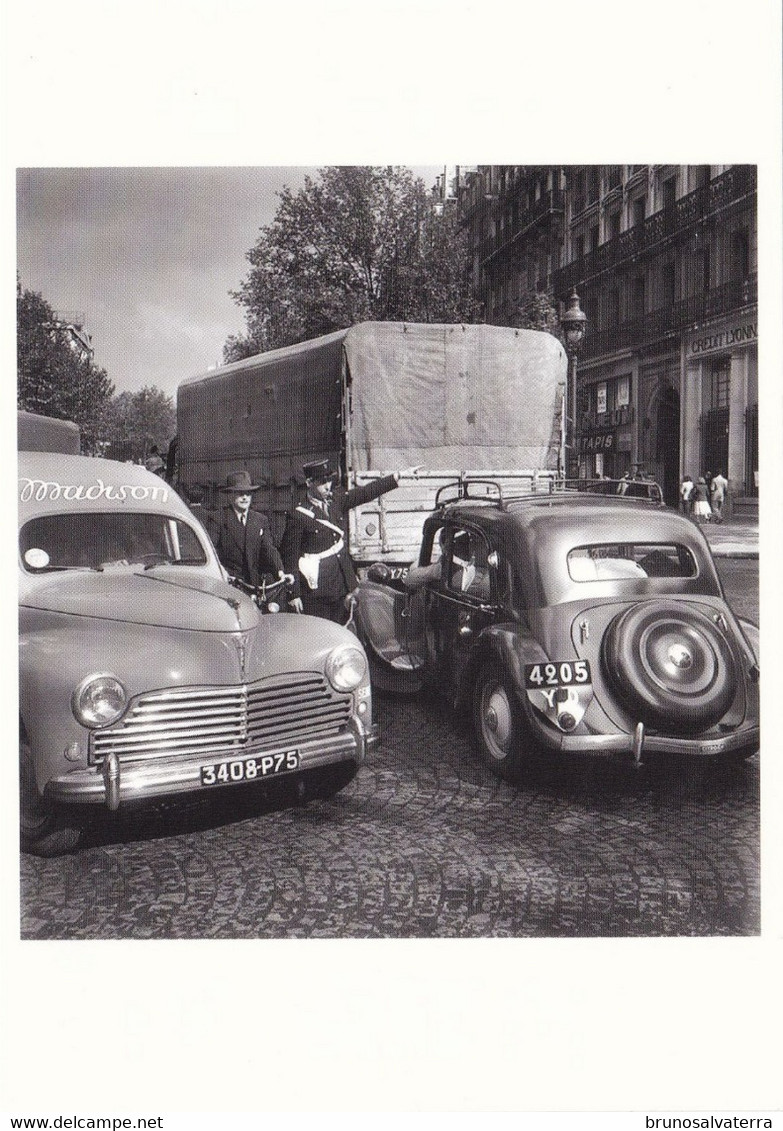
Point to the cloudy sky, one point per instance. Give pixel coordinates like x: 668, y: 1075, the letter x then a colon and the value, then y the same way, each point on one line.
x: 149, y: 256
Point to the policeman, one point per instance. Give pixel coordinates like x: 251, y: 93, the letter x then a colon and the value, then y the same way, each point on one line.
x: 313, y: 547
x: 241, y: 535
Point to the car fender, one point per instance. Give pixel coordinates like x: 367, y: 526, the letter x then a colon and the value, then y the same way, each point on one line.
x: 752, y: 635
x: 512, y: 649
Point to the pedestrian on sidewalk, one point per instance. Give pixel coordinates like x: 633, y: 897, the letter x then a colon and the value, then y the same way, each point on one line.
x: 702, y: 512
x: 686, y: 495
x: 719, y: 489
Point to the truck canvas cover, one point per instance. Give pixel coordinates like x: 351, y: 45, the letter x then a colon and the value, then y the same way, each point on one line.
x: 374, y: 398
x: 452, y: 396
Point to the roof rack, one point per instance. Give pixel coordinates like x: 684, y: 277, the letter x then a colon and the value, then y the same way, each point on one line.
x: 550, y: 487
x: 629, y: 490
x: 462, y: 487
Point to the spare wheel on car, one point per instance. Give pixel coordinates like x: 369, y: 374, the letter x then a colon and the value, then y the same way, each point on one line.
x: 670, y: 666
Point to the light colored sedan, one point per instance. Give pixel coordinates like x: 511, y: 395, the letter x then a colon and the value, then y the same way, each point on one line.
x: 145, y: 676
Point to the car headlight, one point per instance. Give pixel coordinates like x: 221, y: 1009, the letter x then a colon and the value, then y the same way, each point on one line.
x: 99, y: 700
x: 346, y: 668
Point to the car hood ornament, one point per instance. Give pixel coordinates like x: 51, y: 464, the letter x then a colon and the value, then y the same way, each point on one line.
x: 240, y: 643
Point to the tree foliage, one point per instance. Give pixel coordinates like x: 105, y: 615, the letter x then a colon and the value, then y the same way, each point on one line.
x: 541, y: 313
x: 356, y: 243
x: 54, y: 376
x: 133, y: 422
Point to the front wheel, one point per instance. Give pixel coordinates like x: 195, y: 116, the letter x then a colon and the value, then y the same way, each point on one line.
x: 41, y: 832
x: 497, y: 721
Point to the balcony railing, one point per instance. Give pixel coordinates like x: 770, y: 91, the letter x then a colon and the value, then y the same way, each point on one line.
x: 550, y: 203
x: 732, y: 186
x: 657, y: 324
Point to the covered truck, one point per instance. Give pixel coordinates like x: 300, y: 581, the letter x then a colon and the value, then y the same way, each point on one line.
x: 459, y: 400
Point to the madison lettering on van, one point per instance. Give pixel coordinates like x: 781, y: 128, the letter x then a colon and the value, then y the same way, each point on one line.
x: 42, y: 490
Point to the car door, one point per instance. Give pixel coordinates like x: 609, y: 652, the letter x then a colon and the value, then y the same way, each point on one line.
x: 461, y: 605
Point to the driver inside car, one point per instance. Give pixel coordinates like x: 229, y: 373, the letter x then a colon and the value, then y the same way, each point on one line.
x: 465, y: 575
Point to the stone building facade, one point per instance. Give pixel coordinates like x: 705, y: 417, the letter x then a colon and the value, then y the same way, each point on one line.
x: 664, y: 259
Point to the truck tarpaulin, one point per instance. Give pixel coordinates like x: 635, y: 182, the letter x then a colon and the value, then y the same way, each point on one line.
x: 375, y: 398
x: 452, y: 396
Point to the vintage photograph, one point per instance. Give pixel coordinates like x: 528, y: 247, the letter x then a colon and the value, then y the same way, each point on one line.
x: 388, y: 552
x: 391, y: 587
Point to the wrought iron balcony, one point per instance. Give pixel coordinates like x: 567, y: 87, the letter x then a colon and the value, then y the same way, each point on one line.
x: 550, y: 203
x: 733, y: 186
x: 671, y: 319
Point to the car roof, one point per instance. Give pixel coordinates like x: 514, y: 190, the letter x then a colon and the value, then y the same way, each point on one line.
x: 51, y: 483
x: 570, y: 515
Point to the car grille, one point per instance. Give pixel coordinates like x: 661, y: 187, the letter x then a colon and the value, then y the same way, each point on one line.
x: 188, y: 721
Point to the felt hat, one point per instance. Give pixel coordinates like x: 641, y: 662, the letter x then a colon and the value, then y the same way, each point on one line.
x: 238, y: 483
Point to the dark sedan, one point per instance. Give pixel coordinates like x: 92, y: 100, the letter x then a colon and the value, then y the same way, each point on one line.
x: 571, y: 622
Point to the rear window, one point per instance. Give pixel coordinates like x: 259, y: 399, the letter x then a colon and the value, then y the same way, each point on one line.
x: 618, y: 561
x: 90, y: 541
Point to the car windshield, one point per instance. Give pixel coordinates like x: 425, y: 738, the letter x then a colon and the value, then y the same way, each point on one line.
x: 616, y: 561
x: 95, y: 540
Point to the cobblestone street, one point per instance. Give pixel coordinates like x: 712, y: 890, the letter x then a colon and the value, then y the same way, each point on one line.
x: 427, y: 843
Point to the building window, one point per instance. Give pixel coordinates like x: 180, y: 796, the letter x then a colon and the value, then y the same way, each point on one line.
x: 615, y: 176
x: 578, y: 188
x: 718, y: 378
x: 594, y: 238
x: 613, y: 225
x: 637, y: 296
x: 669, y: 274
x: 669, y: 193
x: 613, y: 309
x: 593, y: 182
x: 579, y: 246
x: 638, y: 210
x: 740, y: 255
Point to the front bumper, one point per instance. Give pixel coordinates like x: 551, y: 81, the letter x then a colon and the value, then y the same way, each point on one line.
x: 744, y: 738
x: 153, y: 779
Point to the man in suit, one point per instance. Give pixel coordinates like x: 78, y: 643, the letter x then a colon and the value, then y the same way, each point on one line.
x: 313, y: 547
x: 241, y: 535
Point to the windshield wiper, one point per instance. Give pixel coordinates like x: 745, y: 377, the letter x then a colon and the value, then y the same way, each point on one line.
x: 62, y: 568
x: 175, y: 562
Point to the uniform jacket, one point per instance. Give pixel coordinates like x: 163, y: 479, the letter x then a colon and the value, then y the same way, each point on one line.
x: 246, y: 551
x: 305, y: 534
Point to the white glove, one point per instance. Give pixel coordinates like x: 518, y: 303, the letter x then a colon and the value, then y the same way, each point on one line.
x: 409, y: 472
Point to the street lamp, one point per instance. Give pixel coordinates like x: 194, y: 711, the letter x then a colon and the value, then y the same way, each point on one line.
x: 574, y: 322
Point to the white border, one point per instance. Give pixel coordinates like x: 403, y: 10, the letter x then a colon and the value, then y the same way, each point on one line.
x: 571, y: 1025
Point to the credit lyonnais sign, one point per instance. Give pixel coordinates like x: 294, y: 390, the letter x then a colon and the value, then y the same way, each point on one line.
x: 727, y: 338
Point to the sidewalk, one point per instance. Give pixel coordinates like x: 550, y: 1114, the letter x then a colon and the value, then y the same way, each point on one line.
x: 733, y: 538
